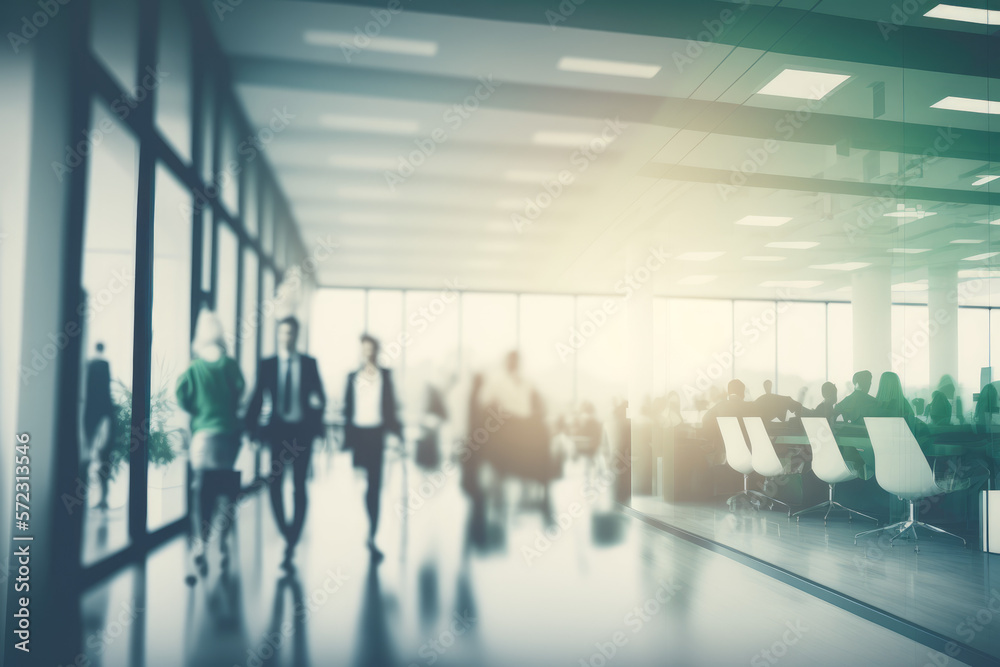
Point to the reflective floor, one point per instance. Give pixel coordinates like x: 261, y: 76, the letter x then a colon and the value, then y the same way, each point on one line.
x: 594, y: 588
x: 944, y: 587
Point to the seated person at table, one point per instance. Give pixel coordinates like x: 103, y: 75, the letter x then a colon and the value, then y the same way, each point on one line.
x: 987, y: 407
x: 770, y: 406
x: 939, y: 409
x: 859, y: 404
x: 891, y: 402
x: 829, y: 403
x: 734, y: 405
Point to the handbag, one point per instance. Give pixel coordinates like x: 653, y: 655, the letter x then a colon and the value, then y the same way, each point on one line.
x: 428, y: 449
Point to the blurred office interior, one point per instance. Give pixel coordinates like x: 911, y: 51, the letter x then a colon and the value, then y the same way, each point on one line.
x: 611, y: 210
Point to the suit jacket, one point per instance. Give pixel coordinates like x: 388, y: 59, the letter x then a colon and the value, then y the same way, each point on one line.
x: 267, y: 381
x: 390, y: 419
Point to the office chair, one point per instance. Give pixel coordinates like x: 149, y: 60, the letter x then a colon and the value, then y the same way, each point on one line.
x: 902, y: 469
x: 737, y: 456
x: 829, y: 465
x: 765, y: 459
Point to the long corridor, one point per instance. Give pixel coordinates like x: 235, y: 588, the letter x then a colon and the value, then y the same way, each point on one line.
x: 595, y: 585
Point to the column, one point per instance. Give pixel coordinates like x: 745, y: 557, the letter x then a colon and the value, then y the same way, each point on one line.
x: 942, y: 313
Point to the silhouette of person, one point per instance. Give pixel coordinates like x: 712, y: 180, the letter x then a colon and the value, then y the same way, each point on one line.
x: 370, y: 413
x: 770, y: 406
x: 939, y: 409
x: 828, y: 404
x: 99, y: 418
x: 859, y: 404
x: 292, y: 381
x: 210, y: 391
x: 891, y: 401
x: 733, y: 405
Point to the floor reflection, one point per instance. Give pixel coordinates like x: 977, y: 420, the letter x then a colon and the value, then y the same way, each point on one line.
x: 503, y: 582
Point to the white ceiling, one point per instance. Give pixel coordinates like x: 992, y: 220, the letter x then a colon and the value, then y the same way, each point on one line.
x: 683, y: 135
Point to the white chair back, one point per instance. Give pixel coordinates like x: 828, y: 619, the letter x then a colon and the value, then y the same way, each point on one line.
x: 737, y: 454
x: 900, y: 466
x: 765, y: 459
x: 827, y: 461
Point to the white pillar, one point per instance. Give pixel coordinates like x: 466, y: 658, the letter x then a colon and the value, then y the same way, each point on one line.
x: 871, y: 307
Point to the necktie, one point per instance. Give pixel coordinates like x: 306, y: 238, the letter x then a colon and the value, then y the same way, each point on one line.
x: 286, y: 400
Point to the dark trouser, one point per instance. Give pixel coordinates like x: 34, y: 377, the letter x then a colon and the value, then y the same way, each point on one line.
x: 290, y: 444
x: 369, y: 452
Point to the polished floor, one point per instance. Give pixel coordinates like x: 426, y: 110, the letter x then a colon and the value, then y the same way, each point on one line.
x: 598, y: 588
x: 943, y: 587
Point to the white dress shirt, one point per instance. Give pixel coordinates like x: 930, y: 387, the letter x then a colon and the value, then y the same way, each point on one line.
x: 368, y: 399
x: 294, y: 413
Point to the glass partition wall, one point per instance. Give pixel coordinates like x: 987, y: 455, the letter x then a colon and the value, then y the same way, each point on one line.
x: 171, y: 227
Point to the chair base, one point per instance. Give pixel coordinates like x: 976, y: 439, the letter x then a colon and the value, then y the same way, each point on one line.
x: 908, y: 525
x: 755, y: 497
x: 830, y: 505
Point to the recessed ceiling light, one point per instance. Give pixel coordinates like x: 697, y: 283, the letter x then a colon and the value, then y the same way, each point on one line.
x: 793, y: 245
x: 966, y: 14
x: 983, y: 180
x: 527, y: 176
x: 802, y: 84
x: 988, y: 222
x: 700, y: 256
x: 365, y: 162
x: 979, y: 273
x: 968, y: 241
x: 369, y: 124
x: 908, y: 251
x: 841, y: 266
x: 696, y: 280
x: 797, y: 284
x: 968, y: 104
x: 611, y: 67
x: 568, y: 139
x: 764, y: 258
x: 763, y: 220
x: 361, y: 192
x: 909, y: 287
x: 909, y: 213
x: 346, y: 40
x: 981, y: 256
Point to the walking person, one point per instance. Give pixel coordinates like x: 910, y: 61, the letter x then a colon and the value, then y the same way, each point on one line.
x: 210, y: 391
x: 370, y: 413
x: 99, y: 419
x: 292, y: 382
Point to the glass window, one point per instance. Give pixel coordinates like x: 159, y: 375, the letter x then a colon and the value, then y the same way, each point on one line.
x: 840, y: 346
x: 489, y: 330
x: 249, y: 319
x: 661, y: 315
x: 338, y: 320
x: 385, y: 322
x: 699, y: 351
x: 207, y: 249
x: 268, y: 303
x: 209, y: 99
x: 601, y: 344
x: 173, y: 97
x: 546, y: 356
x: 171, y: 316
x: 266, y: 217
x: 114, y: 38
x: 227, y: 178
x: 755, y: 327
x: 227, y: 283
x: 431, y: 351
x: 250, y: 196
x: 109, y: 282
x: 801, y: 367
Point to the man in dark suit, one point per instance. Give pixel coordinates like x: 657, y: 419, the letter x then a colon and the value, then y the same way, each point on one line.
x: 369, y: 414
x: 292, y: 382
x: 859, y: 404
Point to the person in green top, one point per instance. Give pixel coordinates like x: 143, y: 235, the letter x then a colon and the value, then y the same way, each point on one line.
x: 210, y: 391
